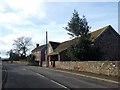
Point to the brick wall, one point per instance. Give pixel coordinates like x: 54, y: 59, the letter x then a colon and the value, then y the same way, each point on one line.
x: 98, y: 67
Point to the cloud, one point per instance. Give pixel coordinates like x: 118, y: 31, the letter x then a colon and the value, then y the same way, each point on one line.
x: 32, y: 18
x: 15, y: 16
x: 27, y: 7
x: 37, y: 33
x: 20, y: 11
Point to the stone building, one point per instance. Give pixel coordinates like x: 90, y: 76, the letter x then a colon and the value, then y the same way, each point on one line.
x: 39, y: 52
x: 52, y: 46
x: 106, y: 38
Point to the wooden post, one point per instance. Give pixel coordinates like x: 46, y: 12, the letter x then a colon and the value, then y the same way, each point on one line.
x: 53, y: 63
x: 40, y: 62
x: 58, y: 57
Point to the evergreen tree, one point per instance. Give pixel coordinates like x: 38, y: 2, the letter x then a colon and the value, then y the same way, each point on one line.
x: 82, y: 48
x: 77, y: 26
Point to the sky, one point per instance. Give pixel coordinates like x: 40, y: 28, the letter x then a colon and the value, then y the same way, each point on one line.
x: 32, y: 18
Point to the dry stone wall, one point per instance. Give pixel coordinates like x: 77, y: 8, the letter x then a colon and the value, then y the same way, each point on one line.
x: 99, y: 67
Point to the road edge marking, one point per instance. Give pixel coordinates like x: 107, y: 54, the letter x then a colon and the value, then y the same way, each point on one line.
x: 52, y: 81
x: 107, y: 80
x: 59, y: 84
x: 5, y: 78
x: 40, y: 75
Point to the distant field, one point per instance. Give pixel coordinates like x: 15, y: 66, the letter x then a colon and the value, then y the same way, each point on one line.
x: 3, y: 59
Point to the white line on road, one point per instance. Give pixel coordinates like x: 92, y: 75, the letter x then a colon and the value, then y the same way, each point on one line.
x: 53, y: 81
x: 59, y: 84
x: 40, y: 75
x: 5, y: 76
x: 103, y: 79
x: 24, y: 69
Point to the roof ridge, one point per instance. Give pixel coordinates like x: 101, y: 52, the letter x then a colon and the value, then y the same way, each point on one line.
x: 95, y: 34
x: 54, y: 42
x: 38, y: 47
x: 101, y: 28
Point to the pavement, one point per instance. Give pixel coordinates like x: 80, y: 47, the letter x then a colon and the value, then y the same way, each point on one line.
x: 22, y: 76
x: 4, y: 76
x: 96, y: 82
x: 113, y: 79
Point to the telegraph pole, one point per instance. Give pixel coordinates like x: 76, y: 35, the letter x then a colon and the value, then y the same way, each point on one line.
x: 47, y: 61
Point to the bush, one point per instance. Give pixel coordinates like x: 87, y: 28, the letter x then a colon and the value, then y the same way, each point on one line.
x: 31, y: 58
x: 14, y: 57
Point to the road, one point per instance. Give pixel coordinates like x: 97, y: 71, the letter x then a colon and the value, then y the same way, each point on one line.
x: 21, y: 76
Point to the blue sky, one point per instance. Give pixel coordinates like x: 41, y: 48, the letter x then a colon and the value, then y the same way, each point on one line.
x: 36, y: 17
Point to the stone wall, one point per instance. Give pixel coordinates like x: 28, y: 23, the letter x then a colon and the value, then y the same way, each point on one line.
x: 109, y: 44
x: 99, y: 67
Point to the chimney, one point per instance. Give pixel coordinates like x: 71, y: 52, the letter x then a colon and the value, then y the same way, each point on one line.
x: 37, y: 45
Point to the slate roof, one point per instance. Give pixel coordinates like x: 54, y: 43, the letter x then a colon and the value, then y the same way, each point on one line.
x: 54, y: 44
x: 39, y: 48
x: 66, y: 44
x: 96, y: 33
x: 63, y: 46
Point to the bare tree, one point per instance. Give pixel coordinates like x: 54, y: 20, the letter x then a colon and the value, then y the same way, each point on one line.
x: 22, y: 45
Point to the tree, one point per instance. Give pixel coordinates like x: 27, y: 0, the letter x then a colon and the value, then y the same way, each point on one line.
x: 22, y: 45
x: 15, y: 57
x: 31, y: 58
x: 77, y: 26
x: 82, y: 48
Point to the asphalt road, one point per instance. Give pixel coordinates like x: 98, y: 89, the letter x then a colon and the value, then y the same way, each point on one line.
x: 20, y: 76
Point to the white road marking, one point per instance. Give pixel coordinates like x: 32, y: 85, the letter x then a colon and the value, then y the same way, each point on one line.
x: 40, y: 75
x: 53, y: 81
x: 107, y: 80
x: 59, y: 84
x: 5, y: 77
